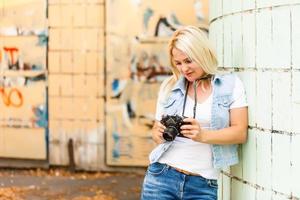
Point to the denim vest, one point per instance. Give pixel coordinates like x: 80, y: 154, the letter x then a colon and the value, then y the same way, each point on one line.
x: 223, y: 155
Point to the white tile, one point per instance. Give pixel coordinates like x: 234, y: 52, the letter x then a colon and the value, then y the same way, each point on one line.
x: 227, y: 6
x: 280, y: 2
x: 249, y: 192
x: 226, y: 188
x: 212, y: 9
x: 281, y: 163
x: 281, y: 44
x: 281, y: 90
x: 219, y: 8
x: 296, y: 165
x: 295, y: 36
x: 213, y: 34
x: 248, y: 52
x: 248, y: 4
x: 220, y: 187
x: 263, y: 195
x: 237, y: 190
x: 220, y: 42
x: 264, y: 159
x: 264, y: 3
x: 296, y: 102
x: 236, y: 6
x: 249, y: 80
x: 237, y: 170
x: 280, y: 197
x: 264, y: 39
x: 227, y: 42
x: 249, y: 158
x: 215, y: 9
x: 237, y: 50
x: 294, y: 1
x: 264, y: 100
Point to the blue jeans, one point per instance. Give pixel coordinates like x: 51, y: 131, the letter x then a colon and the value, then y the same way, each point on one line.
x: 163, y: 182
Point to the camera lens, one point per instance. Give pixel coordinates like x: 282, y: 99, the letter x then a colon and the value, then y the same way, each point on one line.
x: 170, y: 133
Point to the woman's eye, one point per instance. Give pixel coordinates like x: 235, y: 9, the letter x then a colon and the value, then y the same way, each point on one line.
x: 188, y: 61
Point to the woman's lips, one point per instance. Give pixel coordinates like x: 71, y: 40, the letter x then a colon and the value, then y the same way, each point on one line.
x: 188, y: 74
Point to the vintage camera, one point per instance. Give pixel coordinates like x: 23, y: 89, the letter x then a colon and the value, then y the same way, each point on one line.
x: 172, y: 124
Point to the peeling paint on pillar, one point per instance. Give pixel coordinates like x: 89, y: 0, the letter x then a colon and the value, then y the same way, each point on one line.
x: 268, y: 63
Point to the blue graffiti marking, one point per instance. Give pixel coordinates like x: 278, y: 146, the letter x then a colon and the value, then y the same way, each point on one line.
x: 147, y: 15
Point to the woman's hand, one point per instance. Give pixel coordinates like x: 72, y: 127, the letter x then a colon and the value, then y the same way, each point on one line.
x: 157, y: 132
x: 192, y: 130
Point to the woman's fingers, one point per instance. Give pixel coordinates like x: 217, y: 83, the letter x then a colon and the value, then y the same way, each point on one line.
x: 157, y: 132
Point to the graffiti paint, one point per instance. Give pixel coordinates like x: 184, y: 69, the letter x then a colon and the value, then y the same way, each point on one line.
x: 40, y: 113
x: 11, y: 53
x: 43, y: 38
x: 13, y: 97
x: 147, y: 15
x: 122, y: 145
x: 118, y: 87
x: 147, y: 67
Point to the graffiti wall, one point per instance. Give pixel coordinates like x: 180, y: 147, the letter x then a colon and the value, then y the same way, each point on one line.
x: 76, y: 83
x: 23, y: 107
x: 137, y: 63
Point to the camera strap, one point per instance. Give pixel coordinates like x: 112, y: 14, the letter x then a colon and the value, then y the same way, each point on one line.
x: 195, y: 96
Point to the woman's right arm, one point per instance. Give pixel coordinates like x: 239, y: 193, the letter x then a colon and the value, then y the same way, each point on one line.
x: 158, y: 128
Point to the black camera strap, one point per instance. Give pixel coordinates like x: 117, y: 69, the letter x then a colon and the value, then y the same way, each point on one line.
x: 195, y: 83
x: 195, y: 96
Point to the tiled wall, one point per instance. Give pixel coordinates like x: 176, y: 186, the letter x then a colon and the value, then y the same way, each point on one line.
x: 260, y: 40
x: 76, y: 83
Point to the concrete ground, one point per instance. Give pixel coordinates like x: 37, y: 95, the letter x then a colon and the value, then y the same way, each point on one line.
x: 59, y: 184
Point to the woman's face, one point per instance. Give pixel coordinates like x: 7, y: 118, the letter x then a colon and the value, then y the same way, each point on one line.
x: 187, y: 67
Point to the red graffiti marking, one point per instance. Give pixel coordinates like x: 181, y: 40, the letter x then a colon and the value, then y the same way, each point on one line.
x: 11, y: 51
x: 8, y: 97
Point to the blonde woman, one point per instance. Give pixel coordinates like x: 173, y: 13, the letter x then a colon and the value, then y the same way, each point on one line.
x: 201, y: 117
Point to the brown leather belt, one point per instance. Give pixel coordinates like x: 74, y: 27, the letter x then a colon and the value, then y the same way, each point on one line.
x: 185, y: 172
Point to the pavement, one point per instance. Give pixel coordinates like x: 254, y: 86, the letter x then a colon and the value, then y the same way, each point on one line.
x: 60, y: 184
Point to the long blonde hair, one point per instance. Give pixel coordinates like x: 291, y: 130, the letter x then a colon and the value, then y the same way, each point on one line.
x: 194, y: 42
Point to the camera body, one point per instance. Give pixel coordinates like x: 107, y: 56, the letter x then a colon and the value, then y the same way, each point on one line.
x: 172, y: 124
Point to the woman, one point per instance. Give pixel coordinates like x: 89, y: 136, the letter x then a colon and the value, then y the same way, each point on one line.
x: 213, y: 109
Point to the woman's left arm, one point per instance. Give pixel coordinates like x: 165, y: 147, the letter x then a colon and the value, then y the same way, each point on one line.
x: 236, y: 133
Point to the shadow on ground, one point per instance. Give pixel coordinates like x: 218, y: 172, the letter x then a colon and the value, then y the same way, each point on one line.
x: 59, y: 184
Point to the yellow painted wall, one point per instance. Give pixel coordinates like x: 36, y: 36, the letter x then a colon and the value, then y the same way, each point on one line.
x: 23, y: 100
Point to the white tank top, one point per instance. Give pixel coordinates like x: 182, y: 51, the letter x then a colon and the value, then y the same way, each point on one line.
x: 186, y: 154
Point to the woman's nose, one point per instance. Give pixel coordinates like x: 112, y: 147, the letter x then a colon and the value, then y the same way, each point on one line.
x: 184, y: 68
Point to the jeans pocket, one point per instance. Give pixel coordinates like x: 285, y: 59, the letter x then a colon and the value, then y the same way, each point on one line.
x: 212, y: 183
x: 156, y: 168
